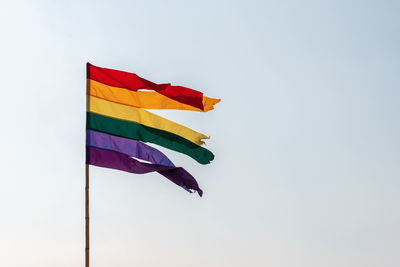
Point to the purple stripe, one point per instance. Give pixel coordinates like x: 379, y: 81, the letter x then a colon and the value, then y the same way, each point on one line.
x: 132, y: 148
x: 115, y: 160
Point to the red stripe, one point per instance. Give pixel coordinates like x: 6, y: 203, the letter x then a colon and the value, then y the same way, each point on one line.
x: 133, y: 82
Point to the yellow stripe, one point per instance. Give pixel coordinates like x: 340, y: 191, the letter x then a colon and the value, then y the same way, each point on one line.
x: 144, y: 99
x: 128, y: 113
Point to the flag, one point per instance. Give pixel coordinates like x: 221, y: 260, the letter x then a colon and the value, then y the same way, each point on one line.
x: 117, y: 126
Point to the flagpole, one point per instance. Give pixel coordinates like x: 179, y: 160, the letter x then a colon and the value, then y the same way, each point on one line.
x: 87, y: 240
x: 87, y: 218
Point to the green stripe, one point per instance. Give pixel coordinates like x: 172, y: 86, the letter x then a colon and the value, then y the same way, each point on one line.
x: 143, y: 133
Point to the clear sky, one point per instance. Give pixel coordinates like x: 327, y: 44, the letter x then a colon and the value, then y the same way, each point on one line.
x: 306, y: 137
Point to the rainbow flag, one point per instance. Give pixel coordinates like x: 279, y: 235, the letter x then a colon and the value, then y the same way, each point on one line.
x: 117, y: 126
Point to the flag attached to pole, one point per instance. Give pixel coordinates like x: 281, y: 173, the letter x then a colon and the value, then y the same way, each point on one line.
x: 118, y: 126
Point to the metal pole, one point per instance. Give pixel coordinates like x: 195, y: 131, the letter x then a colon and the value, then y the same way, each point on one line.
x: 87, y: 218
x: 87, y: 240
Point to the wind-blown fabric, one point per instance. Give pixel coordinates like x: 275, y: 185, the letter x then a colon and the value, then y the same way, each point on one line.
x: 115, y: 160
x: 133, y: 82
x: 144, y: 99
x: 146, y: 134
x: 141, y: 116
x: 129, y: 147
x: 117, y: 125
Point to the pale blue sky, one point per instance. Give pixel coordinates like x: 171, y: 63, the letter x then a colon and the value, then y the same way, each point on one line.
x: 306, y: 137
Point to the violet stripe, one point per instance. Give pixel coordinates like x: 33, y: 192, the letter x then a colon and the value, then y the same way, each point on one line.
x: 132, y: 148
x: 119, y: 161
